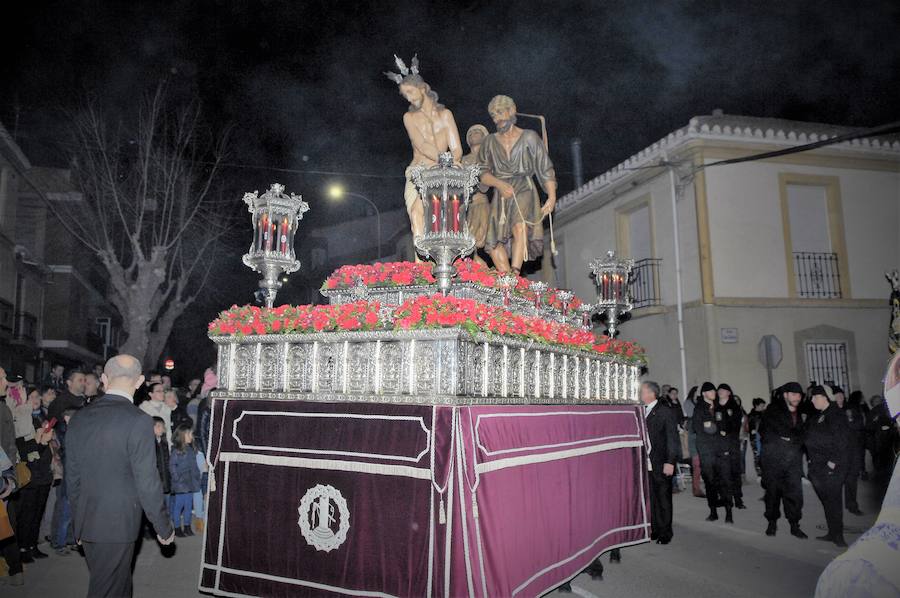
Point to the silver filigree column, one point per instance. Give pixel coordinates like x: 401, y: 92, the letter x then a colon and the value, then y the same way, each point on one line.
x: 444, y: 190
x: 275, y: 217
x: 613, y: 279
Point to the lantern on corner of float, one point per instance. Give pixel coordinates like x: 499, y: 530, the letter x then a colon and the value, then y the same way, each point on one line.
x: 444, y: 190
x: 275, y: 216
x: 612, y: 276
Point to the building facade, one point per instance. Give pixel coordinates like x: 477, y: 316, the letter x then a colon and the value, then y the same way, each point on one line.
x: 53, y: 307
x: 793, y: 246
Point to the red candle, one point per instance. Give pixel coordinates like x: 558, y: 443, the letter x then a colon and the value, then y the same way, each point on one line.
x: 435, y: 211
x: 455, y: 211
x: 264, y: 231
x: 284, y: 231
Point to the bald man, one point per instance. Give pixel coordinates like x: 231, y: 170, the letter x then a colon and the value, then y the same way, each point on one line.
x: 112, y: 477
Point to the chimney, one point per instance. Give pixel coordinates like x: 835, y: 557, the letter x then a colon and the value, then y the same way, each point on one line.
x: 576, y: 162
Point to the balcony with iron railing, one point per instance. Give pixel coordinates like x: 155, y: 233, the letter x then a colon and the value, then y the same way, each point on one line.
x: 817, y: 275
x: 645, y: 287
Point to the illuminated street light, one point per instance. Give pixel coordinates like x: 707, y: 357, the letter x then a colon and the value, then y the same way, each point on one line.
x: 337, y: 192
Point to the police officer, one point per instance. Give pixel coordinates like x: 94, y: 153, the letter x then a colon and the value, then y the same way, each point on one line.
x: 732, y: 419
x: 855, y: 445
x: 711, y: 446
x: 826, y: 441
x: 781, y: 434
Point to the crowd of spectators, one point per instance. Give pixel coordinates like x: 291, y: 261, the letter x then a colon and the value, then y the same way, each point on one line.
x: 33, y: 423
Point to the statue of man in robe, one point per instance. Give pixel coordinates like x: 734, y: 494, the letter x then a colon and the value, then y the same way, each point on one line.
x: 478, y: 214
x: 431, y: 129
x: 512, y: 157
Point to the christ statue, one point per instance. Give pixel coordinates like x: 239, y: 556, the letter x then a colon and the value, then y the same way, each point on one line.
x: 431, y: 129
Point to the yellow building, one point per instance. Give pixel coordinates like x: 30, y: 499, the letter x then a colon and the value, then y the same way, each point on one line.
x: 794, y: 246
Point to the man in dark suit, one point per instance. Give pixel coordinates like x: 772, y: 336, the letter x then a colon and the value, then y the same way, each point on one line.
x: 112, y: 477
x: 662, y: 432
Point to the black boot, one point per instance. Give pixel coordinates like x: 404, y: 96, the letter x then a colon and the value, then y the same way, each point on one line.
x: 36, y: 553
x: 615, y: 556
x: 839, y: 541
x: 826, y: 538
x: 739, y: 503
x: 728, y: 518
x: 713, y: 516
x: 797, y: 532
x: 595, y: 569
x: 566, y: 588
x: 772, y: 528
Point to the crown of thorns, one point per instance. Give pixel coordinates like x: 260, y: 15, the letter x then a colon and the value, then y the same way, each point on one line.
x: 404, y: 71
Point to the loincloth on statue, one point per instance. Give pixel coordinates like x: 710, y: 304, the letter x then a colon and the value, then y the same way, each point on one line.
x: 410, y: 193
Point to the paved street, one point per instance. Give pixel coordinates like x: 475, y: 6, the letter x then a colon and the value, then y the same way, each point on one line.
x: 704, y: 559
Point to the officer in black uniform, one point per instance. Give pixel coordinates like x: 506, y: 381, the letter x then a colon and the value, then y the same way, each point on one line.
x: 781, y: 434
x: 711, y: 446
x: 732, y: 420
x: 826, y: 441
x: 855, y: 445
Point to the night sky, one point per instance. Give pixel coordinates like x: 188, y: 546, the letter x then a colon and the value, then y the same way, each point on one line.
x: 301, y: 84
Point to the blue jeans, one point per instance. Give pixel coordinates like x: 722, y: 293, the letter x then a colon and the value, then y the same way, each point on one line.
x: 62, y: 515
x: 183, y: 504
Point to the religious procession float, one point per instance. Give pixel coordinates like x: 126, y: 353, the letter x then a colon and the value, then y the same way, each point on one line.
x: 436, y: 429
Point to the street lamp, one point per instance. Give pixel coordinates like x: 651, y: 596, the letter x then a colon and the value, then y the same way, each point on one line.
x: 337, y: 192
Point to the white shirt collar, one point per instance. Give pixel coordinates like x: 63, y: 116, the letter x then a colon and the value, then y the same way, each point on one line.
x: 649, y: 407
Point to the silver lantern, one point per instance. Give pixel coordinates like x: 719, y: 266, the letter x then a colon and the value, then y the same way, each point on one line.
x: 275, y: 216
x: 444, y: 190
x: 612, y: 276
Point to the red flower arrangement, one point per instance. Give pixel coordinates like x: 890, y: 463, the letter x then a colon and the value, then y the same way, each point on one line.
x: 394, y: 274
x: 430, y: 312
x: 471, y: 271
x: 387, y: 274
x: 287, y: 319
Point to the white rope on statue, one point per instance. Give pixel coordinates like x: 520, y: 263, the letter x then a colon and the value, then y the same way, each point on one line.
x: 529, y: 223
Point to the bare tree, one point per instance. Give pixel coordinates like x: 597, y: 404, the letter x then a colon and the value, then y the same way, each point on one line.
x: 149, y: 212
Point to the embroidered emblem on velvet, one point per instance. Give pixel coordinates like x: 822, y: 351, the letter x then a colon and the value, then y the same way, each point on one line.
x: 324, y: 517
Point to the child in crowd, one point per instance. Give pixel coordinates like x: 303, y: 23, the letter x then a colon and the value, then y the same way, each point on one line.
x: 162, y: 455
x: 185, y: 479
